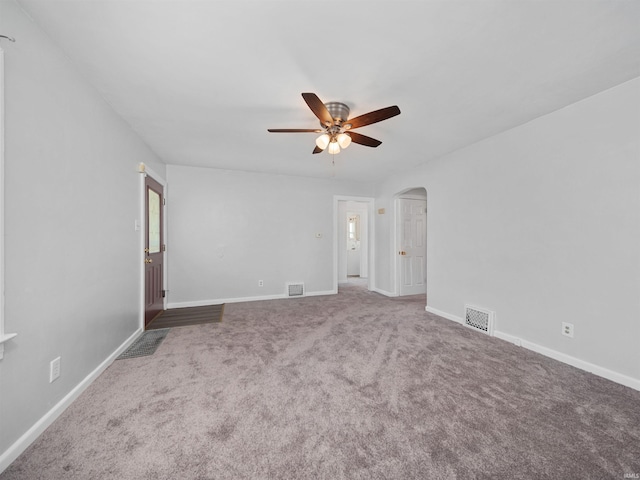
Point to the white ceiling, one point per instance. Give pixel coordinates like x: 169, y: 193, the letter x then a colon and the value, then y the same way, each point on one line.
x: 201, y: 81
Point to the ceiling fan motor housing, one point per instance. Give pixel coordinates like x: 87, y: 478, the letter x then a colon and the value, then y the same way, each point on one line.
x: 339, y: 111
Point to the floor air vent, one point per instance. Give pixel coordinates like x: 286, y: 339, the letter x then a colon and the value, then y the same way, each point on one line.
x: 479, y: 319
x: 295, y: 289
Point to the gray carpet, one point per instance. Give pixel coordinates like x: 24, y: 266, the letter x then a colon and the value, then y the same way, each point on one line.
x: 145, y: 344
x: 351, y: 386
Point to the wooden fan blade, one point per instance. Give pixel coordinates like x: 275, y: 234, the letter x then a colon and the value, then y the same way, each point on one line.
x: 364, y: 140
x: 318, y: 108
x: 373, y: 117
x: 317, y: 150
x: 294, y: 130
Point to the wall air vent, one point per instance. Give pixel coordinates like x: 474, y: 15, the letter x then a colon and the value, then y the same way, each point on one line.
x: 295, y: 289
x: 479, y: 319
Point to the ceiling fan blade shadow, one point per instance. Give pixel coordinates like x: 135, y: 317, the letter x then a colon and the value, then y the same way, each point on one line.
x: 294, y: 130
x: 318, y: 108
x: 364, y: 140
x: 374, y: 117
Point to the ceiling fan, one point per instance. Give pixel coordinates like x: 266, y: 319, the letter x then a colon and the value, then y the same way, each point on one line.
x: 336, y: 127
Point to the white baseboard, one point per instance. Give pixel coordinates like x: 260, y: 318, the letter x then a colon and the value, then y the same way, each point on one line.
x: 219, y: 301
x: 383, y: 292
x: 583, y: 365
x: 446, y: 315
x: 508, y: 338
x: 41, y: 425
x: 548, y: 352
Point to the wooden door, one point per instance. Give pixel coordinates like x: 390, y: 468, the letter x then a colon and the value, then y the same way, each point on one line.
x: 412, y: 253
x: 154, y: 250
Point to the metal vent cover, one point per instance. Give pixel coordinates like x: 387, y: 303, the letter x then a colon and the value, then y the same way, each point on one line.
x: 295, y: 289
x: 479, y: 319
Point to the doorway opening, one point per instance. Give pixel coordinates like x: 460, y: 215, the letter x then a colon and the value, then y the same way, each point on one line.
x: 411, y: 242
x: 153, y: 246
x: 356, y: 265
x: 353, y: 243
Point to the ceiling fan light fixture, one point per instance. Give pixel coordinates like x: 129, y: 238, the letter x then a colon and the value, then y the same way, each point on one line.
x: 323, y: 141
x: 336, y: 127
x: 334, y: 147
x: 344, y: 140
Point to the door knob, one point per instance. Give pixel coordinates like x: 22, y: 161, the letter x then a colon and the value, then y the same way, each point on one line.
x: 148, y: 260
x: 402, y: 252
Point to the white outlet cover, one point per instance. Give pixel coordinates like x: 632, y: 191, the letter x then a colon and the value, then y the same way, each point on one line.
x: 567, y: 329
x: 54, y: 369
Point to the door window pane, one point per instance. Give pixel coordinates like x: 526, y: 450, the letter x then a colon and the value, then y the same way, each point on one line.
x: 154, y: 222
x: 353, y: 232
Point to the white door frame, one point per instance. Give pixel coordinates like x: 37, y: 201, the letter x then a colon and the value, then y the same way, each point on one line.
x: 140, y: 226
x: 3, y: 336
x: 370, y: 201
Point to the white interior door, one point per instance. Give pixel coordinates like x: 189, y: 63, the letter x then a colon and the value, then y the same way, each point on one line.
x: 412, y: 246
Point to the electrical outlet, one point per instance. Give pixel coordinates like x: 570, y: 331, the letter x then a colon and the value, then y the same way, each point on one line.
x: 567, y: 329
x: 54, y: 369
x: 260, y: 283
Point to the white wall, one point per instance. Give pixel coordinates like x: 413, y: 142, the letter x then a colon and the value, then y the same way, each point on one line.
x: 72, y: 255
x: 229, y: 229
x: 542, y: 225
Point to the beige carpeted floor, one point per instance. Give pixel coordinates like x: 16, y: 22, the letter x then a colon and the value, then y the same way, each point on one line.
x: 350, y: 386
